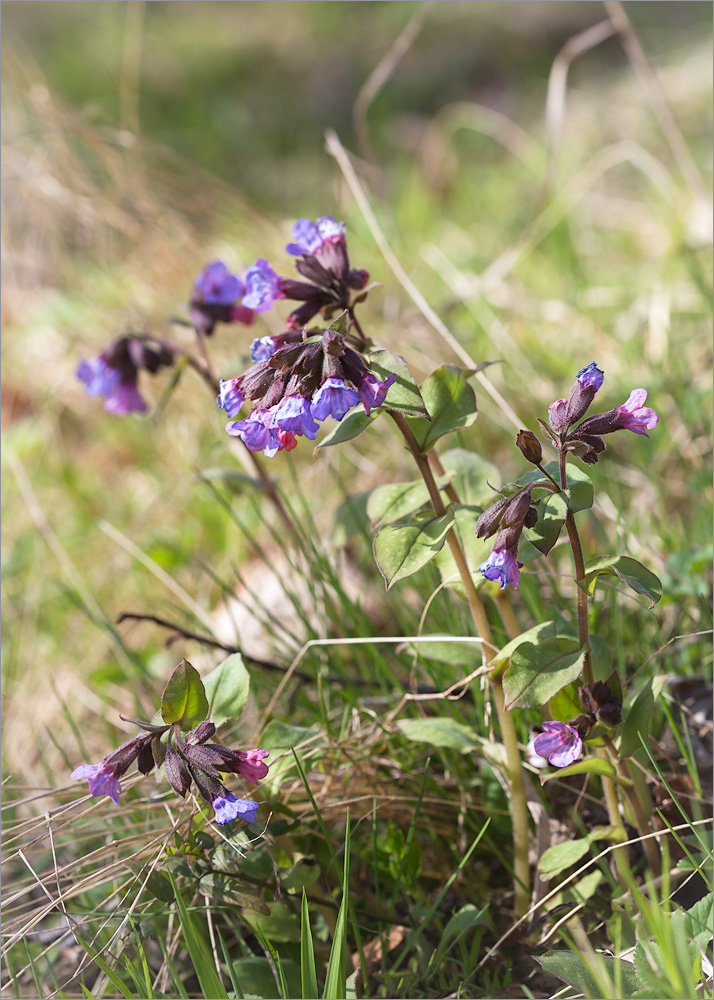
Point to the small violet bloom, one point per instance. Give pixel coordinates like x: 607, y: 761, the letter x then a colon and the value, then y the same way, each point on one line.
x: 262, y: 287
x: 122, y: 394
x: 333, y: 399
x: 258, y: 432
x: 230, y: 398
x: 559, y: 744
x: 591, y: 377
x: 294, y: 414
x: 311, y: 237
x: 101, y: 780
x: 502, y: 565
x: 263, y: 349
x: 633, y: 416
x: 372, y: 392
x: 216, y: 286
x: 228, y: 808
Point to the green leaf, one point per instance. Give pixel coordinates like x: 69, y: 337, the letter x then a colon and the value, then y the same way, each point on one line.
x: 349, y: 427
x: 308, y: 974
x: 632, y: 572
x: 551, y: 516
x: 635, y: 727
x: 539, y: 670
x: 257, y: 979
x: 227, y: 689
x: 335, y: 985
x: 561, y: 856
x: 476, y: 550
x: 401, y: 550
x: 222, y: 889
x: 184, y: 698
x: 300, y: 875
x: 697, y: 921
x: 565, y: 704
x: 544, y: 630
x: 578, y: 893
x: 393, y: 501
x: 571, y: 968
x: 350, y: 519
x: 440, y: 733
x: 474, y: 478
x: 457, y: 654
x: 404, y: 395
x: 450, y: 402
x: 591, y: 765
x: 580, y: 488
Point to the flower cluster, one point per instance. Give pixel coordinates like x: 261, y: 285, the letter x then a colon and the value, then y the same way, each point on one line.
x: 193, y: 759
x: 586, y: 440
x: 296, y: 385
x: 331, y: 286
x: 215, y: 299
x: 508, y: 517
x: 114, y: 373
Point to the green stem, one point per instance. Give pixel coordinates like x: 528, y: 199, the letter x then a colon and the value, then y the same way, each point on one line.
x: 519, y: 807
x: 649, y: 844
x: 582, y: 597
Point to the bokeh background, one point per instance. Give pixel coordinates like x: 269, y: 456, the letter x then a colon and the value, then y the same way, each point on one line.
x: 141, y: 140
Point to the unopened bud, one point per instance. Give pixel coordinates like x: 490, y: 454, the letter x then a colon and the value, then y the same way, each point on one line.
x: 530, y: 447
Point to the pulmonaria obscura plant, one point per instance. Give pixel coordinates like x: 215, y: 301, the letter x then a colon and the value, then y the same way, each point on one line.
x: 324, y: 365
x: 189, y: 760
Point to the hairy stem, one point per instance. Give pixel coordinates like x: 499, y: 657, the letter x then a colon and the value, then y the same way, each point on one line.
x: 582, y: 597
x: 519, y: 808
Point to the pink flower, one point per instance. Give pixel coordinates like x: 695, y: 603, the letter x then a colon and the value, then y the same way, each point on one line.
x: 633, y: 416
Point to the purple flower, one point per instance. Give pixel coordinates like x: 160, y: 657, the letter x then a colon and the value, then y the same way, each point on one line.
x: 633, y: 416
x: 101, y: 780
x: 556, y: 414
x: 591, y: 377
x: 99, y: 378
x: 295, y: 414
x: 228, y: 808
x: 118, y: 385
x: 262, y: 287
x: 310, y: 238
x: 559, y: 743
x: 258, y: 432
x: 263, y: 348
x: 333, y: 399
x: 372, y: 392
x: 230, y: 398
x: 502, y: 565
x: 216, y: 286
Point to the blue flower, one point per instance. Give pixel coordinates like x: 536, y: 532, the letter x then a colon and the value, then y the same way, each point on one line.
x: 228, y: 808
x: 295, y: 414
x: 263, y: 348
x: 258, y: 432
x: 560, y: 744
x: 230, y: 398
x: 502, y: 565
x: 118, y: 386
x: 216, y: 286
x: 310, y: 238
x: 263, y: 287
x: 591, y: 377
x: 99, y: 378
x: 333, y: 399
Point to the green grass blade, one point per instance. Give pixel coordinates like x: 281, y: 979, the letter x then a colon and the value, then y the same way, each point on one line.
x: 335, y: 985
x: 181, y: 993
x: 282, y: 982
x: 211, y: 985
x: 308, y: 975
x: 111, y: 974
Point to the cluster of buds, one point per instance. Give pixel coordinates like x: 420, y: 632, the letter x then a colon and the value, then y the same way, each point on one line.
x: 561, y: 743
x: 331, y: 286
x: 191, y: 760
x: 114, y: 373
x: 586, y: 440
x: 302, y: 380
x: 508, y: 517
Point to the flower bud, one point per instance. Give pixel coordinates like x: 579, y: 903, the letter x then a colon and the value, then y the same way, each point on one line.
x: 530, y: 447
